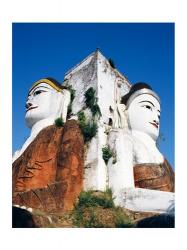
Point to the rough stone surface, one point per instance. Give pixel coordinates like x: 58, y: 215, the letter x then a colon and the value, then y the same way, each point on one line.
x: 49, y: 174
x: 154, y: 176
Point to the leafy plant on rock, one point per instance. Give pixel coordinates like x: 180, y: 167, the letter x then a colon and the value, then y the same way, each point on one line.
x: 94, y: 199
x: 96, y: 209
x: 91, y: 102
x: 88, y: 128
x: 107, y: 154
x: 59, y: 122
x: 121, y: 219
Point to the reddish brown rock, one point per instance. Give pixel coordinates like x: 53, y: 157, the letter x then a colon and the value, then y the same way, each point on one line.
x: 49, y: 174
x: 154, y: 176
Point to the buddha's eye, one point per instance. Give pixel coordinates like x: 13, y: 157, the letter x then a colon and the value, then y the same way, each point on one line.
x: 148, y: 107
x: 38, y: 92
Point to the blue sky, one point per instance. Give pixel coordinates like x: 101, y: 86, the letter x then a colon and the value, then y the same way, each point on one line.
x: 141, y: 51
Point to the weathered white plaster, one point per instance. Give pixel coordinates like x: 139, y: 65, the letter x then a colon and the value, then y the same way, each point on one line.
x: 96, y: 72
x: 120, y: 173
x: 111, y: 86
x: 82, y: 78
x: 95, y: 175
x: 145, y: 200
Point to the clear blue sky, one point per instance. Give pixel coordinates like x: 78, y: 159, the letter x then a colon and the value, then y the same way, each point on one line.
x: 141, y: 51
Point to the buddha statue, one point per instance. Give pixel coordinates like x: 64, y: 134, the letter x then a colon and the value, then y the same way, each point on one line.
x: 48, y: 170
x: 47, y: 100
x: 140, y: 169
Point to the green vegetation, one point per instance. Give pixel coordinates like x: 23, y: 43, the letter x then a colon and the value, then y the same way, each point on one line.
x: 92, y: 199
x: 121, y: 219
x: 91, y: 102
x: 107, y: 154
x: 82, y: 118
x: 96, y: 209
x: 95, y: 110
x: 90, y: 97
x: 86, y: 218
x: 88, y: 206
x: 88, y: 128
x: 59, y: 122
x: 89, y: 131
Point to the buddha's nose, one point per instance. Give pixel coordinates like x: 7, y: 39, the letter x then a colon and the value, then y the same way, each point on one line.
x: 28, y: 105
x: 156, y: 122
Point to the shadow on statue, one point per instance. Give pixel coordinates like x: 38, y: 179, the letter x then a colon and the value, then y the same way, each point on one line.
x: 22, y: 218
x: 158, y: 221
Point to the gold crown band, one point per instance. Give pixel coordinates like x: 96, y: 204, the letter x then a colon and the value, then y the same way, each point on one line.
x: 47, y: 81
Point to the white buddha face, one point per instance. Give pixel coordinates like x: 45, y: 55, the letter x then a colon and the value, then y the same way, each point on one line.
x: 43, y: 102
x: 144, y: 115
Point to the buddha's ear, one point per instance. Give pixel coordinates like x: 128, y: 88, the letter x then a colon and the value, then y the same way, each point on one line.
x: 67, y: 95
x: 66, y: 99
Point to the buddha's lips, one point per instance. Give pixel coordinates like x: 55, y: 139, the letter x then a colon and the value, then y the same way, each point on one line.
x: 31, y: 108
x: 154, y: 124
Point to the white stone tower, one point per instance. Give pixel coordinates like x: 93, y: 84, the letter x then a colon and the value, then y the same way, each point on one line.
x: 109, y: 84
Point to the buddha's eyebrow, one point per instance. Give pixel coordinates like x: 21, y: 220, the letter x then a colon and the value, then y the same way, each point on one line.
x: 38, y: 88
x: 149, y: 102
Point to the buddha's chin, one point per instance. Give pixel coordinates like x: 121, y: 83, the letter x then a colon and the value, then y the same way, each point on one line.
x: 152, y: 131
x: 153, y: 135
x: 31, y: 120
